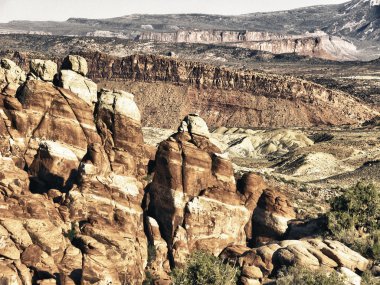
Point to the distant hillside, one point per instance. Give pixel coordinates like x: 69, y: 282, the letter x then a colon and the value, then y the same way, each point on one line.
x: 330, y: 31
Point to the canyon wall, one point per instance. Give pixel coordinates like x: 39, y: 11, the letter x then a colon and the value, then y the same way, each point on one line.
x: 317, y: 44
x: 210, y: 36
x: 166, y: 89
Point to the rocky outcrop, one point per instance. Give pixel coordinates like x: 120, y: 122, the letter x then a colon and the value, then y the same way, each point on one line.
x: 195, y: 201
x: 44, y: 69
x: 75, y: 63
x: 75, y: 215
x: 72, y: 77
x: 311, y: 253
x: 11, y: 77
x: 192, y: 189
x: 318, y: 45
x: 77, y: 205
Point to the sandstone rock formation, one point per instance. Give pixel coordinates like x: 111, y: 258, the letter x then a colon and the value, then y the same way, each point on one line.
x: 77, y: 205
x: 190, y: 180
x: 311, y: 253
x: 195, y: 201
x: 171, y: 88
x: 79, y: 219
x: 166, y: 89
x: 72, y: 77
x: 75, y: 63
x: 11, y: 77
x: 44, y: 69
x: 318, y: 45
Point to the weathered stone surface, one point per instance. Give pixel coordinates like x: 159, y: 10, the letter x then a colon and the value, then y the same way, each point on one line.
x: 11, y: 77
x: 158, y: 248
x: 83, y: 87
x: 350, y: 276
x: 119, y: 124
x: 93, y: 233
x: 75, y: 63
x: 194, y: 197
x: 310, y: 253
x: 170, y: 88
x: 271, y: 216
x: 195, y: 125
x: 55, y: 164
x: 44, y: 69
x: 97, y: 228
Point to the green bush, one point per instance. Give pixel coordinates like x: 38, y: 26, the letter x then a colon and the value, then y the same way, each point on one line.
x: 303, y: 276
x: 354, y: 219
x: 203, y: 268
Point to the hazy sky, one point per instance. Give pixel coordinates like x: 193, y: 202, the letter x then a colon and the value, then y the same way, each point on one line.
x: 61, y: 10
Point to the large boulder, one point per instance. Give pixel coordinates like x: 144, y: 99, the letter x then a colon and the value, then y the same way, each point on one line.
x: 271, y: 216
x: 55, y: 164
x: 309, y: 253
x: 73, y: 77
x: 75, y: 63
x: 44, y: 69
x: 85, y: 88
x: 11, y: 77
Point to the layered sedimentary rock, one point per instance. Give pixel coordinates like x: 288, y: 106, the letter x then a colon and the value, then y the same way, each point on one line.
x: 195, y: 201
x: 77, y: 205
x: 318, y: 45
x: 11, y: 77
x: 74, y: 216
x: 167, y: 89
x: 192, y: 186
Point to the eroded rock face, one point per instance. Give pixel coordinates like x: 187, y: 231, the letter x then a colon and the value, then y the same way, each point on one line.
x: 271, y: 216
x: 44, y: 69
x: 75, y: 63
x: 78, y: 84
x: 310, y: 253
x: 55, y: 164
x: 119, y: 124
x: 56, y: 227
x: 192, y: 190
x: 11, y: 77
x: 171, y: 88
x: 72, y: 77
x: 76, y: 208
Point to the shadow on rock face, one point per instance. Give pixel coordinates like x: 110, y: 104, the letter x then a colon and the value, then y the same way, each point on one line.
x: 44, y: 182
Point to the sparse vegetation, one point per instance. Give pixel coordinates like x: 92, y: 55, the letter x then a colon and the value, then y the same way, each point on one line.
x: 70, y: 234
x: 303, y: 276
x: 203, y: 268
x: 151, y: 253
x: 369, y: 279
x: 149, y: 278
x: 355, y: 219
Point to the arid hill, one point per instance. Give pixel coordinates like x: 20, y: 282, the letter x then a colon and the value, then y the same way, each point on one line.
x: 167, y: 89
